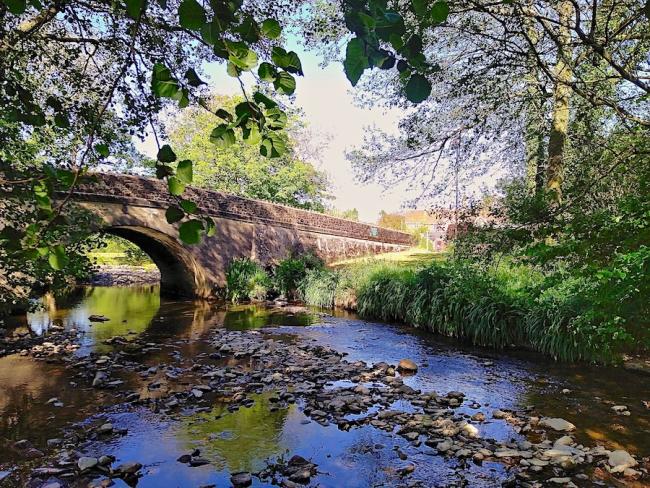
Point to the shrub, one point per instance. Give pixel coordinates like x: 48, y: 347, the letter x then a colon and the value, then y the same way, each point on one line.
x: 291, y: 271
x: 246, y: 280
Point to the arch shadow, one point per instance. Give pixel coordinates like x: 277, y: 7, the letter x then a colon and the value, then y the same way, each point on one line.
x: 180, y: 274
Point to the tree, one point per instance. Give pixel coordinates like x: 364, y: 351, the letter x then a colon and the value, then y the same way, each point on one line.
x: 506, y: 74
x: 83, y: 75
x: 239, y: 168
x: 350, y: 214
x: 391, y: 220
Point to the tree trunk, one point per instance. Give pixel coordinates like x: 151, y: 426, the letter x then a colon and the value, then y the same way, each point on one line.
x: 561, y: 99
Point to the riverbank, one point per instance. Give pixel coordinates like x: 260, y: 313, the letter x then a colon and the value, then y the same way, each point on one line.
x: 123, y: 275
x: 498, y: 307
x: 170, y: 393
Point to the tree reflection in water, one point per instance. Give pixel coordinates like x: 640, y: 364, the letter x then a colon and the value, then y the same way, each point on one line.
x: 241, y: 440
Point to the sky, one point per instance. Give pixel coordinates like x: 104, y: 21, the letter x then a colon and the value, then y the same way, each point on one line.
x: 325, y: 96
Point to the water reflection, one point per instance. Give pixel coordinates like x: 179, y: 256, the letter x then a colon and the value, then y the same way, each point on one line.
x: 244, y: 439
x: 241, y: 440
x: 129, y: 311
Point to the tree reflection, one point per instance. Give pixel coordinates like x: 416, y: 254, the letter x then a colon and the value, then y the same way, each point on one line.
x: 241, y: 440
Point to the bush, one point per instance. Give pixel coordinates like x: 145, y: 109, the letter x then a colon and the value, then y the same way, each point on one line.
x: 291, y: 271
x: 246, y: 280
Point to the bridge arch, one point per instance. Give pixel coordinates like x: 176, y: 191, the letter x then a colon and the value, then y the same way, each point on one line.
x: 180, y: 274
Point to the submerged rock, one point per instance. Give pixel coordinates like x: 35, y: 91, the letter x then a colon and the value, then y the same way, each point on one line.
x: 558, y: 424
x: 241, y: 479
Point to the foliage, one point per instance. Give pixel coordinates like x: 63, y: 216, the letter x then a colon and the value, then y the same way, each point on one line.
x: 239, y: 168
x: 392, y: 220
x: 591, y: 318
x: 113, y: 250
x: 246, y: 280
x: 291, y: 271
x: 350, y: 214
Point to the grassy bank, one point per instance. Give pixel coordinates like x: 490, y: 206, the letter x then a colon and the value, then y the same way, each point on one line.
x: 569, y: 317
x: 588, y: 315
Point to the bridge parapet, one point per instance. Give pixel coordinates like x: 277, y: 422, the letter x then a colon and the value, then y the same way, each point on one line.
x: 148, y: 192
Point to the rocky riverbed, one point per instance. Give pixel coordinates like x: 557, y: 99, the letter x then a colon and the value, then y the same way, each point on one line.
x: 303, y: 406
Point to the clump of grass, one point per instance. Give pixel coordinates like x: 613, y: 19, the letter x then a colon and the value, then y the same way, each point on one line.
x: 291, y: 271
x: 246, y: 280
x: 318, y: 287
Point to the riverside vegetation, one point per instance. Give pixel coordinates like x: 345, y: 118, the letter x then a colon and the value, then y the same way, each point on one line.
x: 567, y: 316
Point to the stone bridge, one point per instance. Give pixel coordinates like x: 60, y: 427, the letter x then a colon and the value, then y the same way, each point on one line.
x: 134, y: 208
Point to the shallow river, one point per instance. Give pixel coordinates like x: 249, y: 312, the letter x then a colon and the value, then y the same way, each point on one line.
x: 243, y: 440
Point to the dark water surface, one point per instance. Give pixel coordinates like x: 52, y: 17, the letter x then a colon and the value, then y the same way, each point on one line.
x: 245, y: 439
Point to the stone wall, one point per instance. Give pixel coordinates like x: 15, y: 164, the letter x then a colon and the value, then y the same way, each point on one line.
x: 139, y: 191
x: 134, y: 208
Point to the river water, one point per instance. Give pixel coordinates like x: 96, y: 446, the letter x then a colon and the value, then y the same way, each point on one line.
x: 245, y: 439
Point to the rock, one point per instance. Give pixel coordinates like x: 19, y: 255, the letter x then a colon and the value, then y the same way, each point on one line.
x: 558, y: 424
x: 86, y: 463
x: 100, y: 379
x: 198, y: 461
x: 407, y: 366
x: 443, y: 446
x: 241, y: 479
x: 129, y: 468
x: 106, y: 428
x: 565, y: 440
x: 620, y: 460
x: 98, y: 318
x: 470, y: 430
x: 54, y: 442
x: 621, y: 410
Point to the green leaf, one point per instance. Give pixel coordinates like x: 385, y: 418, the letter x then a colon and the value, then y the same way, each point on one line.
x: 191, y: 15
x: 222, y: 136
x: 57, y: 257
x: 166, y: 155
x: 249, y: 30
x: 210, y: 227
x: 163, y: 84
x: 134, y: 7
x: 287, y: 60
x: 193, y: 79
x: 418, y: 88
x: 16, y: 7
x: 285, y: 83
x: 439, y: 11
x: 102, y: 150
x: 189, y: 206
x: 273, y: 146
x: 246, y: 62
x: 184, y: 171
x: 176, y: 186
x: 276, y: 118
x: 174, y: 214
x: 61, y: 120
x: 260, y: 98
x: 356, y: 60
x: 211, y: 32
x: 420, y: 7
x: 162, y: 170
x: 271, y: 28
x: 232, y: 70
x: 224, y: 114
x: 252, y: 133
x: 190, y: 231
x: 266, y: 72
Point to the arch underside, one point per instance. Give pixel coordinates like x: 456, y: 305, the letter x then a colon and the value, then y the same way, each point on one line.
x: 179, y: 273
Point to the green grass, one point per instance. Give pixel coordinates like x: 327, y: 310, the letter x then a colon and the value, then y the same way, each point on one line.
x: 493, y: 306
